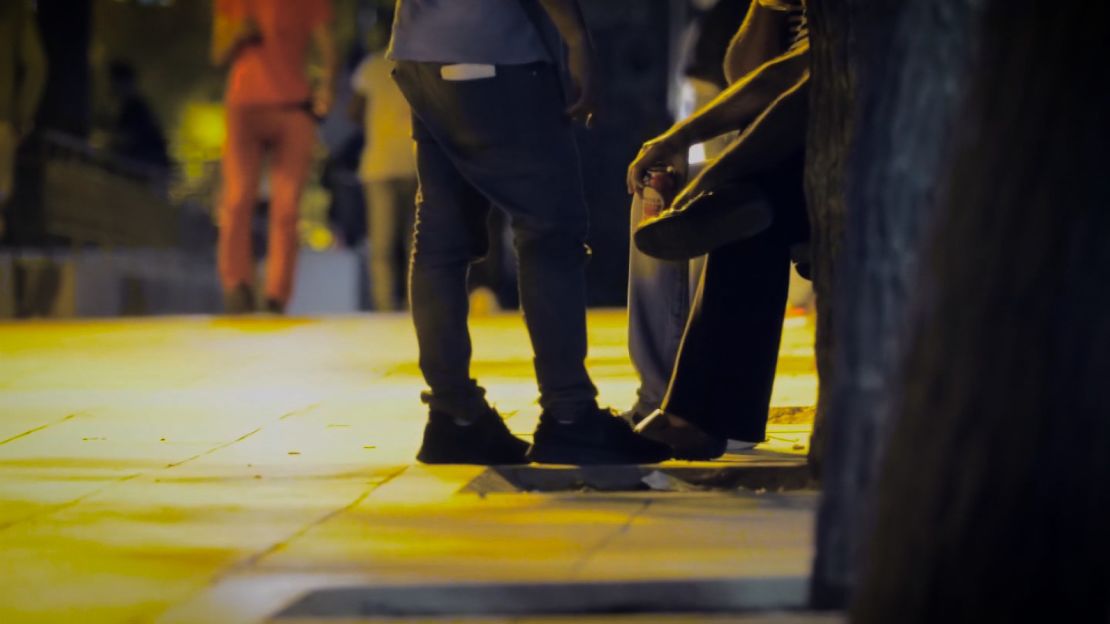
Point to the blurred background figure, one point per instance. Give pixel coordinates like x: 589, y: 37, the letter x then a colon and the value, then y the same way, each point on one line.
x: 134, y: 132
x: 120, y: 237
x: 387, y: 171
x: 271, y: 108
x: 22, y: 78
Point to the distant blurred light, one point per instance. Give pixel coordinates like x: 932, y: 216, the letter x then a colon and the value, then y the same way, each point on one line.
x: 203, y: 125
x: 696, y: 156
x: 320, y: 238
x: 687, y: 103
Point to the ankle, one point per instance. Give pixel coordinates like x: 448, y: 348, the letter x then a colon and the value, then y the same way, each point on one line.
x: 571, y: 414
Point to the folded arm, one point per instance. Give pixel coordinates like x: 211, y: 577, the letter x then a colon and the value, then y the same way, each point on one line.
x: 778, y: 132
x: 765, y: 72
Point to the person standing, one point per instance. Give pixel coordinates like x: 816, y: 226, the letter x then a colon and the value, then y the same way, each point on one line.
x: 746, y: 210
x: 388, y: 173
x: 492, y: 127
x: 271, y: 107
x: 22, y: 79
x: 134, y: 133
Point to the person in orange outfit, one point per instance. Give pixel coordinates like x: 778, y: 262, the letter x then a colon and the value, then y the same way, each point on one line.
x: 271, y: 108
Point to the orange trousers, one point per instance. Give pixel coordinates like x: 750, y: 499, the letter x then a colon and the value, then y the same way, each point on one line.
x: 287, y: 134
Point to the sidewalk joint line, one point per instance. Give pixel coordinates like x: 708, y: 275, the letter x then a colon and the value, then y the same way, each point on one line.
x: 70, y: 503
x: 214, y: 449
x: 74, y: 502
x: 300, y: 411
x: 40, y: 428
x: 589, y: 555
x: 253, y: 559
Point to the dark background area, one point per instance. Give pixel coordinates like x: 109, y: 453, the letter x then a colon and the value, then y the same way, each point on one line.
x: 166, y: 41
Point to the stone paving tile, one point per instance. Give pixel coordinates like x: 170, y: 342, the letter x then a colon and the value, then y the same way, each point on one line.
x: 653, y: 618
x: 197, y: 463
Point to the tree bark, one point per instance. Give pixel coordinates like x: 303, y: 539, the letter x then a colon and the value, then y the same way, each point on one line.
x: 832, y: 96
x: 995, y: 501
x: 891, y: 72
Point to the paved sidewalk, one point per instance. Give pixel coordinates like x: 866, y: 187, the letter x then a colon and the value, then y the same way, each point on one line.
x: 198, y: 469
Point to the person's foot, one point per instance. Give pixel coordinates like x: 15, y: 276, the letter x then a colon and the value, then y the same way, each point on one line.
x: 239, y: 300
x: 632, y: 417
x: 686, y: 440
x: 705, y: 222
x: 486, y: 441
x: 595, y: 437
x: 273, y: 306
x: 740, y: 446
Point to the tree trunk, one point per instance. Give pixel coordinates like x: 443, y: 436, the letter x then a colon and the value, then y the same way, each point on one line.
x: 892, y: 73
x: 832, y: 93
x: 995, y: 501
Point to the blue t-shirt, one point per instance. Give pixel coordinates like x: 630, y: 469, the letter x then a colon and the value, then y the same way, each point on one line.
x: 493, y: 32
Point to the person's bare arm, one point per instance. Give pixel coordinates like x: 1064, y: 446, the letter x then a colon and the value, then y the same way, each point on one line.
x: 33, y: 63
x: 735, y: 108
x: 758, y: 40
x: 229, y: 36
x: 568, y: 20
x: 778, y: 132
x: 744, y: 100
x: 324, y: 42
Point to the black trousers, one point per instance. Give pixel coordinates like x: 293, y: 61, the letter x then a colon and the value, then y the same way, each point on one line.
x: 497, y: 142
x: 725, y: 368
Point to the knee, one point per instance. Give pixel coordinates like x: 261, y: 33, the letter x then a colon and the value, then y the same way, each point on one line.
x: 235, y: 213
x: 430, y: 252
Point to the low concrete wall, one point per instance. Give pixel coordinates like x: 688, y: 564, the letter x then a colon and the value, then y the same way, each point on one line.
x: 131, y: 282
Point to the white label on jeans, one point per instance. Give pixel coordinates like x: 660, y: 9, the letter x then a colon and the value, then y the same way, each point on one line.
x: 467, y: 71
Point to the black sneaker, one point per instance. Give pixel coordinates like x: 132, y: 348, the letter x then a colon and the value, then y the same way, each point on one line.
x: 599, y: 437
x: 485, y: 442
x: 687, y: 441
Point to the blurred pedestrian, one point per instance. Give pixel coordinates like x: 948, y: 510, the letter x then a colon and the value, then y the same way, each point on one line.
x: 388, y: 174
x: 746, y: 210
x: 22, y: 78
x: 492, y: 126
x: 135, y: 133
x: 271, y: 108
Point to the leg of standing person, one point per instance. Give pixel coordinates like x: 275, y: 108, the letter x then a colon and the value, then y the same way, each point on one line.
x: 406, y: 191
x: 659, y: 293
x: 508, y: 137
x: 292, y: 158
x: 382, y: 217
x: 241, y: 166
x: 450, y: 235
x: 658, y: 306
